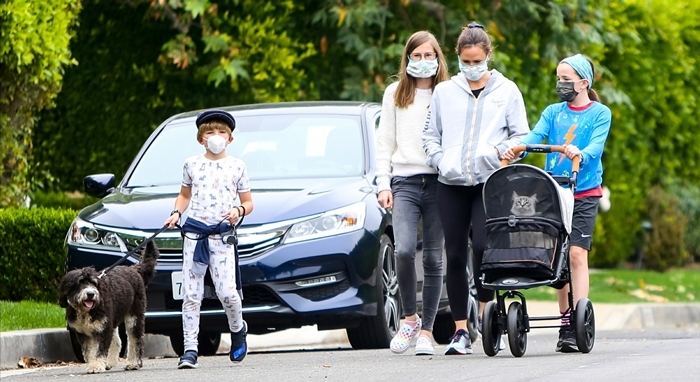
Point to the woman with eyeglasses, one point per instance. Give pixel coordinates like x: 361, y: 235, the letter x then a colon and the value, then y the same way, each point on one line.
x: 408, y: 186
x: 472, y: 120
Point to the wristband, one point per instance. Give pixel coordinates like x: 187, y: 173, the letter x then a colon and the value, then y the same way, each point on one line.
x: 243, y: 209
x: 179, y: 214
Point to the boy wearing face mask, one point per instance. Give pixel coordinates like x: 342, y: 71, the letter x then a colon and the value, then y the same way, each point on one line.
x: 472, y: 120
x: 216, y: 189
x: 580, y: 123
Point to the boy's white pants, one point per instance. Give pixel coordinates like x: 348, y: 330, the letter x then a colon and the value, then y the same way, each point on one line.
x: 222, y: 267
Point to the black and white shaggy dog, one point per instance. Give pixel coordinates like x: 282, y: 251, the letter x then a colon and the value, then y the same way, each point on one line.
x: 95, y: 307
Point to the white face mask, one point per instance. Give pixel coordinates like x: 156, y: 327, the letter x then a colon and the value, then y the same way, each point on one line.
x: 216, y: 144
x: 474, y: 73
x: 422, y: 68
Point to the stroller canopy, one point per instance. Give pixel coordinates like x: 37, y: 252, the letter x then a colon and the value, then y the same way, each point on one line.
x: 523, y: 190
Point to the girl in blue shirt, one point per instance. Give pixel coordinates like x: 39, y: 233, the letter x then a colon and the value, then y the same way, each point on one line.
x: 580, y: 123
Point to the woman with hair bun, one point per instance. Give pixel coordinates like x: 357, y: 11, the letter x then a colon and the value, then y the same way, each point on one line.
x: 473, y: 119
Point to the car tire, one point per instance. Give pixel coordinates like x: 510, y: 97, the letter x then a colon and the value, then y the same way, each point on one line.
x: 78, y: 351
x: 377, y: 331
x: 208, y: 342
x: 444, y: 328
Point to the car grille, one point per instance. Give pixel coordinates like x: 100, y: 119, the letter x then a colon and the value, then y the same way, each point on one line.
x: 252, y: 296
x: 171, y: 247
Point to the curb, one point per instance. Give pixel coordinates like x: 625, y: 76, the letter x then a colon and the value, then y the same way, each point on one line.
x: 52, y: 345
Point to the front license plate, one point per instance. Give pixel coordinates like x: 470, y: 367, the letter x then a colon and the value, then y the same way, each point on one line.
x: 176, y: 278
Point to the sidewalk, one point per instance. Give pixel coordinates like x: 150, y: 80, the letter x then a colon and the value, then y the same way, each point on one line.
x: 51, y: 345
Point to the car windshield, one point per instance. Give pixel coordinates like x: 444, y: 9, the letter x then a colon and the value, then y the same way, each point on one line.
x: 273, y: 147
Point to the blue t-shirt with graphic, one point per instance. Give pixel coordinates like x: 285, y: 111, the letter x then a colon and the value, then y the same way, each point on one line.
x: 586, y: 129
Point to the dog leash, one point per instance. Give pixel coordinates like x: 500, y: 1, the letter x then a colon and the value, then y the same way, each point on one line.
x: 122, y: 246
x: 229, y: 239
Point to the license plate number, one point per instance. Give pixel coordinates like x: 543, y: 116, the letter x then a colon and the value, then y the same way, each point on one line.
x: 176, y: 278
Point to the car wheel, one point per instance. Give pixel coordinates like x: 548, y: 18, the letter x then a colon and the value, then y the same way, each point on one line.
x: 208, y: 342
x: 473, y: 302
x: 444, y: 328
x: 376, y: 332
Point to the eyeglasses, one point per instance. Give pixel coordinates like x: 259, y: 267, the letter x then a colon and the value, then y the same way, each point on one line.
x: 475, y: 25
x: 418, y: 56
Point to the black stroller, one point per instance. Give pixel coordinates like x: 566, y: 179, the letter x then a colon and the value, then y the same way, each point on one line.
x: 528, y: 224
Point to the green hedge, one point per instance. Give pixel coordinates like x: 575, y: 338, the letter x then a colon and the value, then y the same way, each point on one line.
x: 61, y: 200
x: 33, y: 258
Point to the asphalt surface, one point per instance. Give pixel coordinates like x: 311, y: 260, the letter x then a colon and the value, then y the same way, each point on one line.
x: 636, y: 355
x: 52, y: 346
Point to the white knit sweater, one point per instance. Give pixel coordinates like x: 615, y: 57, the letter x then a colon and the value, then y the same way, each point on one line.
x: 399, y: 142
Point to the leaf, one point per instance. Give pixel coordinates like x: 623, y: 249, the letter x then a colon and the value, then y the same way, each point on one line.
x: 196, y: 7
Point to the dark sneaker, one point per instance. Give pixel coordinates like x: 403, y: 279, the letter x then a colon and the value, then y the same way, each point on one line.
x: 460, y: 343
x: 567, y: 340
x: 239, y: 347
x: 188, y: 360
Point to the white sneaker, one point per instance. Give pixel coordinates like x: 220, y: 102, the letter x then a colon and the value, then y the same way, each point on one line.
x: 403, y: 337
x: 461, y: 343
x: 424, y: 346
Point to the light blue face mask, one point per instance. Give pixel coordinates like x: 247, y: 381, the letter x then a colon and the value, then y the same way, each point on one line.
x: 422, y: 68
x: 475, y: 72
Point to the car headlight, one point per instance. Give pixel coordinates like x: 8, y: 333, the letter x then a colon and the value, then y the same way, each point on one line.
x: 82, y: 233
x: 335, y: 222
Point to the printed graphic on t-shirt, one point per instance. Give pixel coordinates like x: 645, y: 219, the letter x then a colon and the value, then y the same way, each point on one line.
x: 215, y: 186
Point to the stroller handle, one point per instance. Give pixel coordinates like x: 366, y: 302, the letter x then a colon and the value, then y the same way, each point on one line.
x: 546, y: 149
x: 542, y: 149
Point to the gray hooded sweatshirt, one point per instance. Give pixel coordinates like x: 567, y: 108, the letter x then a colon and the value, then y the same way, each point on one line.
x: 461, y: 131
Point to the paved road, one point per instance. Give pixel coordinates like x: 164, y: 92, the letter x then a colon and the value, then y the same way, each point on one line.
x: 630, y: 355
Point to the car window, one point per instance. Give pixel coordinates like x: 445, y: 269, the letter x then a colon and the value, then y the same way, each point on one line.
x: 273, y: 147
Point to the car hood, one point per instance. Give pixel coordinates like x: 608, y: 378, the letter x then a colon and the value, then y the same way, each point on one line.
x: 147, y: 208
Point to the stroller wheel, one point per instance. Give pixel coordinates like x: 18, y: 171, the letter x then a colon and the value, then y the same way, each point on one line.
x: 584, y: 325
x: 517, y: 335
x: 491, y: 330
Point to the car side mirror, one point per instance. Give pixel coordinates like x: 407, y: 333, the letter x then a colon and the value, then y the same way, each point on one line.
x: 98, y: 185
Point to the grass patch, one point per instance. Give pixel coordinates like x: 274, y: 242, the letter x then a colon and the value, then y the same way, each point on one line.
x: 30, y: 315
x: 630, y: 286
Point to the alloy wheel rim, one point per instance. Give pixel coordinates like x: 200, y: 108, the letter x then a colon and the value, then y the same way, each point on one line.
x: 390, y: 287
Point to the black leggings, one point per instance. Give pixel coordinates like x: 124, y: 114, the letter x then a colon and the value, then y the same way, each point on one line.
x: 461, y: 207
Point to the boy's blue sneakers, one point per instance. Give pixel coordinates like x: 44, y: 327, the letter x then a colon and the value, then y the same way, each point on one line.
x: 239, y: 347
x: 188, y: 360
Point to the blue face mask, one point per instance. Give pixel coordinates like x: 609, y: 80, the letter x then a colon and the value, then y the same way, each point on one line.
x: 475, y: 72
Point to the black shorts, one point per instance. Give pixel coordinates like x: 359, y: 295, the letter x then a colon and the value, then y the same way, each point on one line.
x: 583, y: 224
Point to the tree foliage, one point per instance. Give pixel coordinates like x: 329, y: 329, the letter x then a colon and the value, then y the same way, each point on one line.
x: 138, y: 67
x: 242, y: 42
x: 651, y: 65
x: 33, y: 53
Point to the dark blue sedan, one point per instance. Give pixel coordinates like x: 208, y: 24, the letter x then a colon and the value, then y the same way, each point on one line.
x: 317, y: 250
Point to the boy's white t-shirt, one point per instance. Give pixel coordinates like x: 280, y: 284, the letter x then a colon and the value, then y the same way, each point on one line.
x: 215, y: 186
